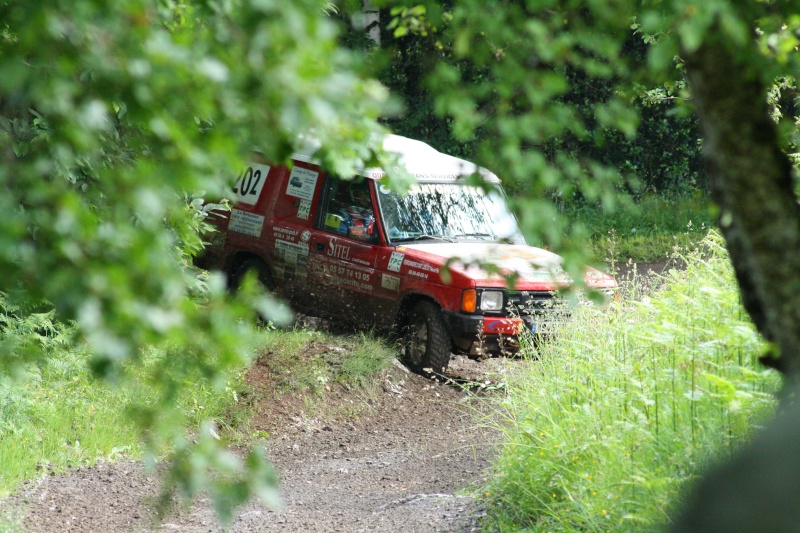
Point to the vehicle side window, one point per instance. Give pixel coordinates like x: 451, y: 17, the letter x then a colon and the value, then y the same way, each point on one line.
x: 348, y: 210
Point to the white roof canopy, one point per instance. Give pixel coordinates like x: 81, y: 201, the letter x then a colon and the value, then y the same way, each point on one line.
x: 419, y: 159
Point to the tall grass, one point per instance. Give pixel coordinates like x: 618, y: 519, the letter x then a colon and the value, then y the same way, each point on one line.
x: 55, y: 417
x: 627, y: 405
x: 646, y: 230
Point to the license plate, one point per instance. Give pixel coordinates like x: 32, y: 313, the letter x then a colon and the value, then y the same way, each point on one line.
x: 542, y: 327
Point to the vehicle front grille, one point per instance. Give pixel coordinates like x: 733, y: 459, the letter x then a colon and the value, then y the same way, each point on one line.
x: 530, y: 303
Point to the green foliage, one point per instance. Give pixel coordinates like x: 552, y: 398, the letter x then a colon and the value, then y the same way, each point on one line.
x: 574, y: 99
x: 56, y: 415
x: 628, y: 404
x: 408, y: 20
x: 114, y: 119
x: 27, y: 333
x: 306, y: 360
x: 99, y: 154
x: 550, y: 95
x: 653, y: 228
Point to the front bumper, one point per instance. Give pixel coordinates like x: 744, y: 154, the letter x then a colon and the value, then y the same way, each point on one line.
x: 464, y: 329
x: 478, y: 335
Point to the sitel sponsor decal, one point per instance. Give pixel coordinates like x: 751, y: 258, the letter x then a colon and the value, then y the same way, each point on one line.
x: 339, y: 251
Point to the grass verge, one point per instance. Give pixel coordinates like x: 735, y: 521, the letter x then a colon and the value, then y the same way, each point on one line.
x: 648, y: 230
x: 305, y: 360
x: 627, y: 405
x: 57, y: 416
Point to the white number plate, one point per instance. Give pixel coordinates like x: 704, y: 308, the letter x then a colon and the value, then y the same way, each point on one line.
x: 248, y: 188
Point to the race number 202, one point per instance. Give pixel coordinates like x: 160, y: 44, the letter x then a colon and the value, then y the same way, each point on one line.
x: 248, y: 188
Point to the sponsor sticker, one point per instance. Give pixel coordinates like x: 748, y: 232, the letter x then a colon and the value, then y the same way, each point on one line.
x: 291, y: 260
x: 247, y: 223
x: 302, y: 183
x: 304, y: 209
x: 390, y: 282
x: 338, y: 251
x: 287, y: 234
x: 422, y: 266
x: 396, y: 261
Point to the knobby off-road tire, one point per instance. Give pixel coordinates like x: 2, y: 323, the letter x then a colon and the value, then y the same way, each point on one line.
x: 426, y: 343
x: 257, y: 266
x: 251, y: 264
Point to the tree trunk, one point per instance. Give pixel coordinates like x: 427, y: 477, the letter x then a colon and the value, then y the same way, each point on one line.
x: 751, y: 182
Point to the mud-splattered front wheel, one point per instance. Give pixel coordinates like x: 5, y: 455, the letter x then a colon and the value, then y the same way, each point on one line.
x: 426, y: 344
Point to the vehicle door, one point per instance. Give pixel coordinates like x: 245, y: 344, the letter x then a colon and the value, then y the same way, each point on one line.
x: 343, y: 251
x: 290, y: 229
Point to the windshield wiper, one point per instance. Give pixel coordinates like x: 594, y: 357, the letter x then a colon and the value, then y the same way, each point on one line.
x: 479, y: 235
x: 424, y: 236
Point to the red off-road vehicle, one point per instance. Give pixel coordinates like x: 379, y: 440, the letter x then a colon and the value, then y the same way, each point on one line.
x: 355, y: 251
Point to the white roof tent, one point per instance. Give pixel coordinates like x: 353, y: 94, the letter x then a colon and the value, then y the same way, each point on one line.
x: 419, y: 159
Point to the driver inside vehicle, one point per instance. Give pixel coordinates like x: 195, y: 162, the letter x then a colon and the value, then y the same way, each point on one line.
x: 350, y: 211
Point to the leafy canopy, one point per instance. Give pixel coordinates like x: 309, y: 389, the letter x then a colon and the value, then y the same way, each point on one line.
x: 113, y: 115
x: 114, y: 118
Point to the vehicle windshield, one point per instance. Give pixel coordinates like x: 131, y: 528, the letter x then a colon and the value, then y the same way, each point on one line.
x: 449, y: 212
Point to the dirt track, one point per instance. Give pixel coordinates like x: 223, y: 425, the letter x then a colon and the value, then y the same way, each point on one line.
x: 407, y: 463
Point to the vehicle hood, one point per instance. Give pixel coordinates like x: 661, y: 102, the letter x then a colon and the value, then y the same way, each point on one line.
x: 527, y: 263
